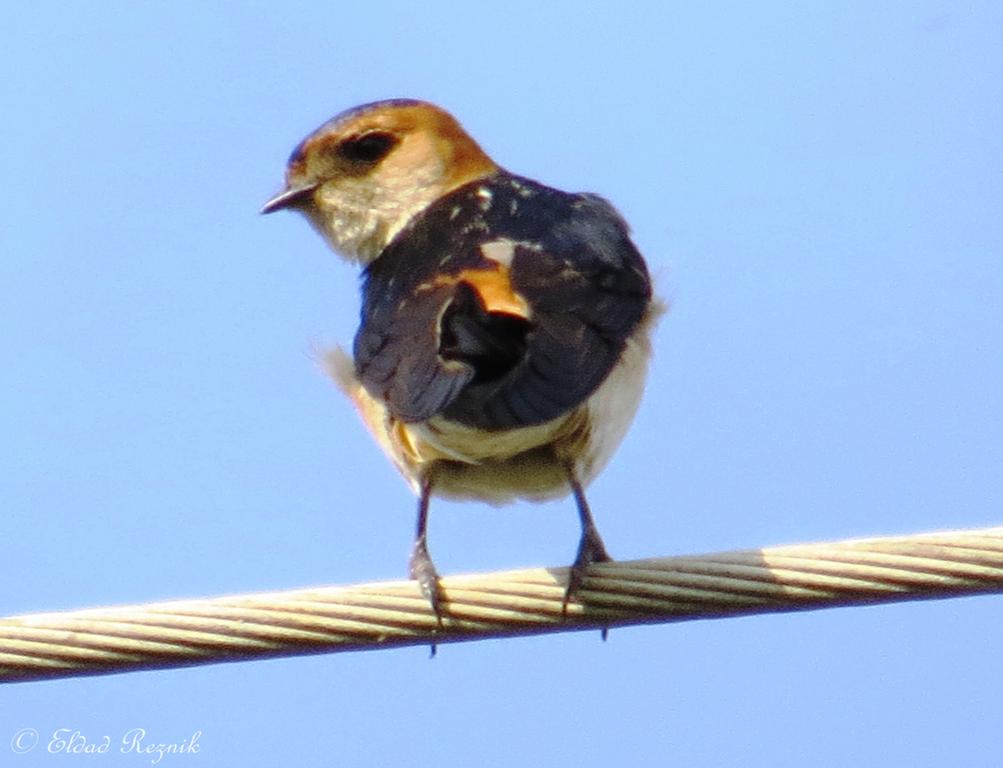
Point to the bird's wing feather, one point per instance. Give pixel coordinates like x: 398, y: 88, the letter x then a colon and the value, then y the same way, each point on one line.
x: 501, y: 345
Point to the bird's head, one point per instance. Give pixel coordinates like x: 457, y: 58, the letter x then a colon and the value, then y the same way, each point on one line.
x: 365, y: 173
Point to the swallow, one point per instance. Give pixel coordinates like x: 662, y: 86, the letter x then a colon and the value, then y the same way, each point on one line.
x: 505, y: 326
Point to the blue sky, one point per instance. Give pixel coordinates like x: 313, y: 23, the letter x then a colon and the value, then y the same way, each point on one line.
x: 817, y: 188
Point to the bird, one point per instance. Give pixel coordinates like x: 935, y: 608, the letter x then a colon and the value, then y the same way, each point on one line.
x: 505, y: 326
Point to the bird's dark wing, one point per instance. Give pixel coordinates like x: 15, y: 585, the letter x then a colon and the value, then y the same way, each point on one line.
x: 398, y: 360
x: 497, y: 343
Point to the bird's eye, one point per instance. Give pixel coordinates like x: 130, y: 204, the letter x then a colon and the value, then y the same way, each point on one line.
x: 369, y: 148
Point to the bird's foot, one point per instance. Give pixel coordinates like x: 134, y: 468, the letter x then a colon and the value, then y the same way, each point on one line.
x: 590, y: 550
x: 422, y: 570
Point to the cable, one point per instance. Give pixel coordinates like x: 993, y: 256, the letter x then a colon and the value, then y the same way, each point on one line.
x: 392, y: 614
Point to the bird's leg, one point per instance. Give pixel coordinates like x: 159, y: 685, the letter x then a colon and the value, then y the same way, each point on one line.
x: 422, y: 569
x: 590, y: 546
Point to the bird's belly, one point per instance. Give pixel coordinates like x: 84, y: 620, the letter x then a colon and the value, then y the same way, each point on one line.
x: 451, y: 440
x: 494, y: 466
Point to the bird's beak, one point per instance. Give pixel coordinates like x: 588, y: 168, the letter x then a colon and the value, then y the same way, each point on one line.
x: 289, y: 197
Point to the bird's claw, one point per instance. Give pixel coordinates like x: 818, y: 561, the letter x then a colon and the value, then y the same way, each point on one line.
x: 422, y: 570
x: 590, y: 550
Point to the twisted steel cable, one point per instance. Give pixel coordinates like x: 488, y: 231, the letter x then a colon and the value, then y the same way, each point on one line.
x: 391, y: 614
